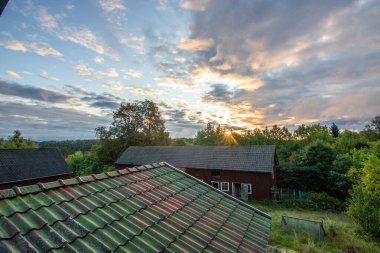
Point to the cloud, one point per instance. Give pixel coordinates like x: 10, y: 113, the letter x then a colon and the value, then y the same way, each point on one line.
x: 40, y: 49
x: 135, y: 42
x: 98, y: 59
x: 45, y: 75
x: 46, y: 20
x: 131, y: 73
x: 13, y: 74
x: 112, y: 5
x: 110, y: 73
x: 195, y: 5
x: 143, y: 91
x: 83, y: 36
x: 196, y: 44
x: 44, y: 51
x: 106, y: 104
x: 218, y: 93
x: 46, y: 122
x: 14, y: 45
x: 32, y: 92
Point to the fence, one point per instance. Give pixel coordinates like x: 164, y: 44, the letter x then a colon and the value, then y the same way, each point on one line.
x: 281, y: 194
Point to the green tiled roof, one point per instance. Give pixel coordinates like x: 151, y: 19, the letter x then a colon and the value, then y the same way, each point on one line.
x: 152, y: 208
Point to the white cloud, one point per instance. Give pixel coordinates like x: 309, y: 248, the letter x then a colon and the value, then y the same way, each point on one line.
x: 135, y: 42
x: 14, y: 45
x: 113, y: 85
x: 46, y: 20
x: 195, y: 5
x: 13, y: 74
x: 112, y: 5
x: 143, y: 91
x: 84, y: 71
x: 84, y: 37
x: 45, y: 75
x: 44, y: 51
x: 131, y: 73
x: 110, y: 73
x: 98, y: 59
x: 196, y: 44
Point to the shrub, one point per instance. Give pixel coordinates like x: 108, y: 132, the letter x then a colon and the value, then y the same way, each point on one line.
x: 324, y: 201
x: 365, y: 208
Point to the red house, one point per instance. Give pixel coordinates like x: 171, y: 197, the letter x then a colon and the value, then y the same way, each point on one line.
x: 19, y: 167
x: 246, y: 172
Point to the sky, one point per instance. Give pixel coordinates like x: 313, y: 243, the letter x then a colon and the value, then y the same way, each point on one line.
x: 65, y: 66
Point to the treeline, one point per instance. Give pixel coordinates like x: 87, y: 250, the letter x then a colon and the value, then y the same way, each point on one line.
x: 69, y: 147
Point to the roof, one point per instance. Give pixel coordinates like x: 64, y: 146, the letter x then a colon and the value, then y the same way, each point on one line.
x: 152, y: 208
x: 259, y: 158
x: 27, y: 164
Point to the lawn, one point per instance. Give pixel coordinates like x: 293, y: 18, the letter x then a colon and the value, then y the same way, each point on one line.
x: 341, y: 231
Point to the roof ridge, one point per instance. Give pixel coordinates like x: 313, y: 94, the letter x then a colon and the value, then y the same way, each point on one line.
x: 16, y: 191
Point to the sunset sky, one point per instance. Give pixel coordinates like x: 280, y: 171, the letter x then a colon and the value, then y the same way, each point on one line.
x: 65, y: 65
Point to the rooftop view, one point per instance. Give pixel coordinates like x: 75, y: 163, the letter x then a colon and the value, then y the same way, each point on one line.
x: 190, y: 126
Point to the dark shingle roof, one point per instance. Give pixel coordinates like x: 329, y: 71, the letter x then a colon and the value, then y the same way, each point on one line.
x: 26, y: 164
x: 151, y: 208
x: 258, y: 158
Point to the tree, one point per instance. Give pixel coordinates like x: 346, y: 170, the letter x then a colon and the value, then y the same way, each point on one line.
x: 137, y: 123
x: 17, y: 141
x: 334, y: 130
x: 372, y: 131
x: 364, y: 204
x: 313, y: 133
x: 209, y: 136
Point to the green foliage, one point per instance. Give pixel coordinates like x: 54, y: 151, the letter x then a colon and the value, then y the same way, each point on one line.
x: 17, y: 141
x: 313, y: 133
x: 364, y: 207
x: 69, y: 147
x: 137, y: 123
x: 181, y: 142
x: 82, y: 163
x: 318, y: 155
x: 342, y: 163
x: 324, y: 201
x: 365, y: 197
x: 210, y: 136
x: 349, y: 140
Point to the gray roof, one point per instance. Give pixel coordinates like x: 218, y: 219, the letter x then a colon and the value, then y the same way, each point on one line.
x: 259, y: 158
x: 27, y: 164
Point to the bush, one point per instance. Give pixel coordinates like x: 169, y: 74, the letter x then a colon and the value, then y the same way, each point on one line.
x: 365, y: 208
x: 323, y: 201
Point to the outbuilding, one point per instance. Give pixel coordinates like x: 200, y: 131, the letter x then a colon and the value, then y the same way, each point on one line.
x: 245, y: 172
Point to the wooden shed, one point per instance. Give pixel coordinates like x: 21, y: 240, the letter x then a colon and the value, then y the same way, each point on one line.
x: 245, y: 172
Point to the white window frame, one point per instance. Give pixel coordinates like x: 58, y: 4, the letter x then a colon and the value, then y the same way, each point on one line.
x: 215, y: 182
x: 228, y: 186
x: 250, y: 188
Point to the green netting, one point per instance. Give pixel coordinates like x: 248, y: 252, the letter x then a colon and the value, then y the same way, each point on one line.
x: 314, y: 228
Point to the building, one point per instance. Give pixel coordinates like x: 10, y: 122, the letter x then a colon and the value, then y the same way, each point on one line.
x: 20, y: 167
x: 152, y: 208
x: 245, y: 172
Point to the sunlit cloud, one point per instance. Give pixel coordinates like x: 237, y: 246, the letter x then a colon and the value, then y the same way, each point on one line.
x: 131, y: 73
x: 112, y: 5
x: 195, y: 5
x: 46, y: 75
x: 13, y: 74
x: 98, y: 59
x: 46, y: 20
x: 40, y: 49
x: 196, y: 44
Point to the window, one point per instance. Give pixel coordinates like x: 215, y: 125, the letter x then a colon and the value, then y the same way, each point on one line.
x: 249, y: 188
x: 215, y: 184
x: 215, y: 173
x: 225, y: 186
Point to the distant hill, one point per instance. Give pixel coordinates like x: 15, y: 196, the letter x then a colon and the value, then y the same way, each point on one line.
x: 69, y: 146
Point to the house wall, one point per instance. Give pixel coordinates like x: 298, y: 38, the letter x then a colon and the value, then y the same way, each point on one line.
x: 261, y: 183
x: 33, y: 181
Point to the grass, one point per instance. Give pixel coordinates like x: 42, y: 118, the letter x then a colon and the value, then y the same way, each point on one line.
x: 341, y: 231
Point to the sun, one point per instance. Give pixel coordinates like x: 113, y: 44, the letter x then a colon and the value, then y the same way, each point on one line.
x: 228, y: 132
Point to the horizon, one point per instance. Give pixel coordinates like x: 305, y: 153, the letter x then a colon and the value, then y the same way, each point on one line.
x: 65, y: 66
